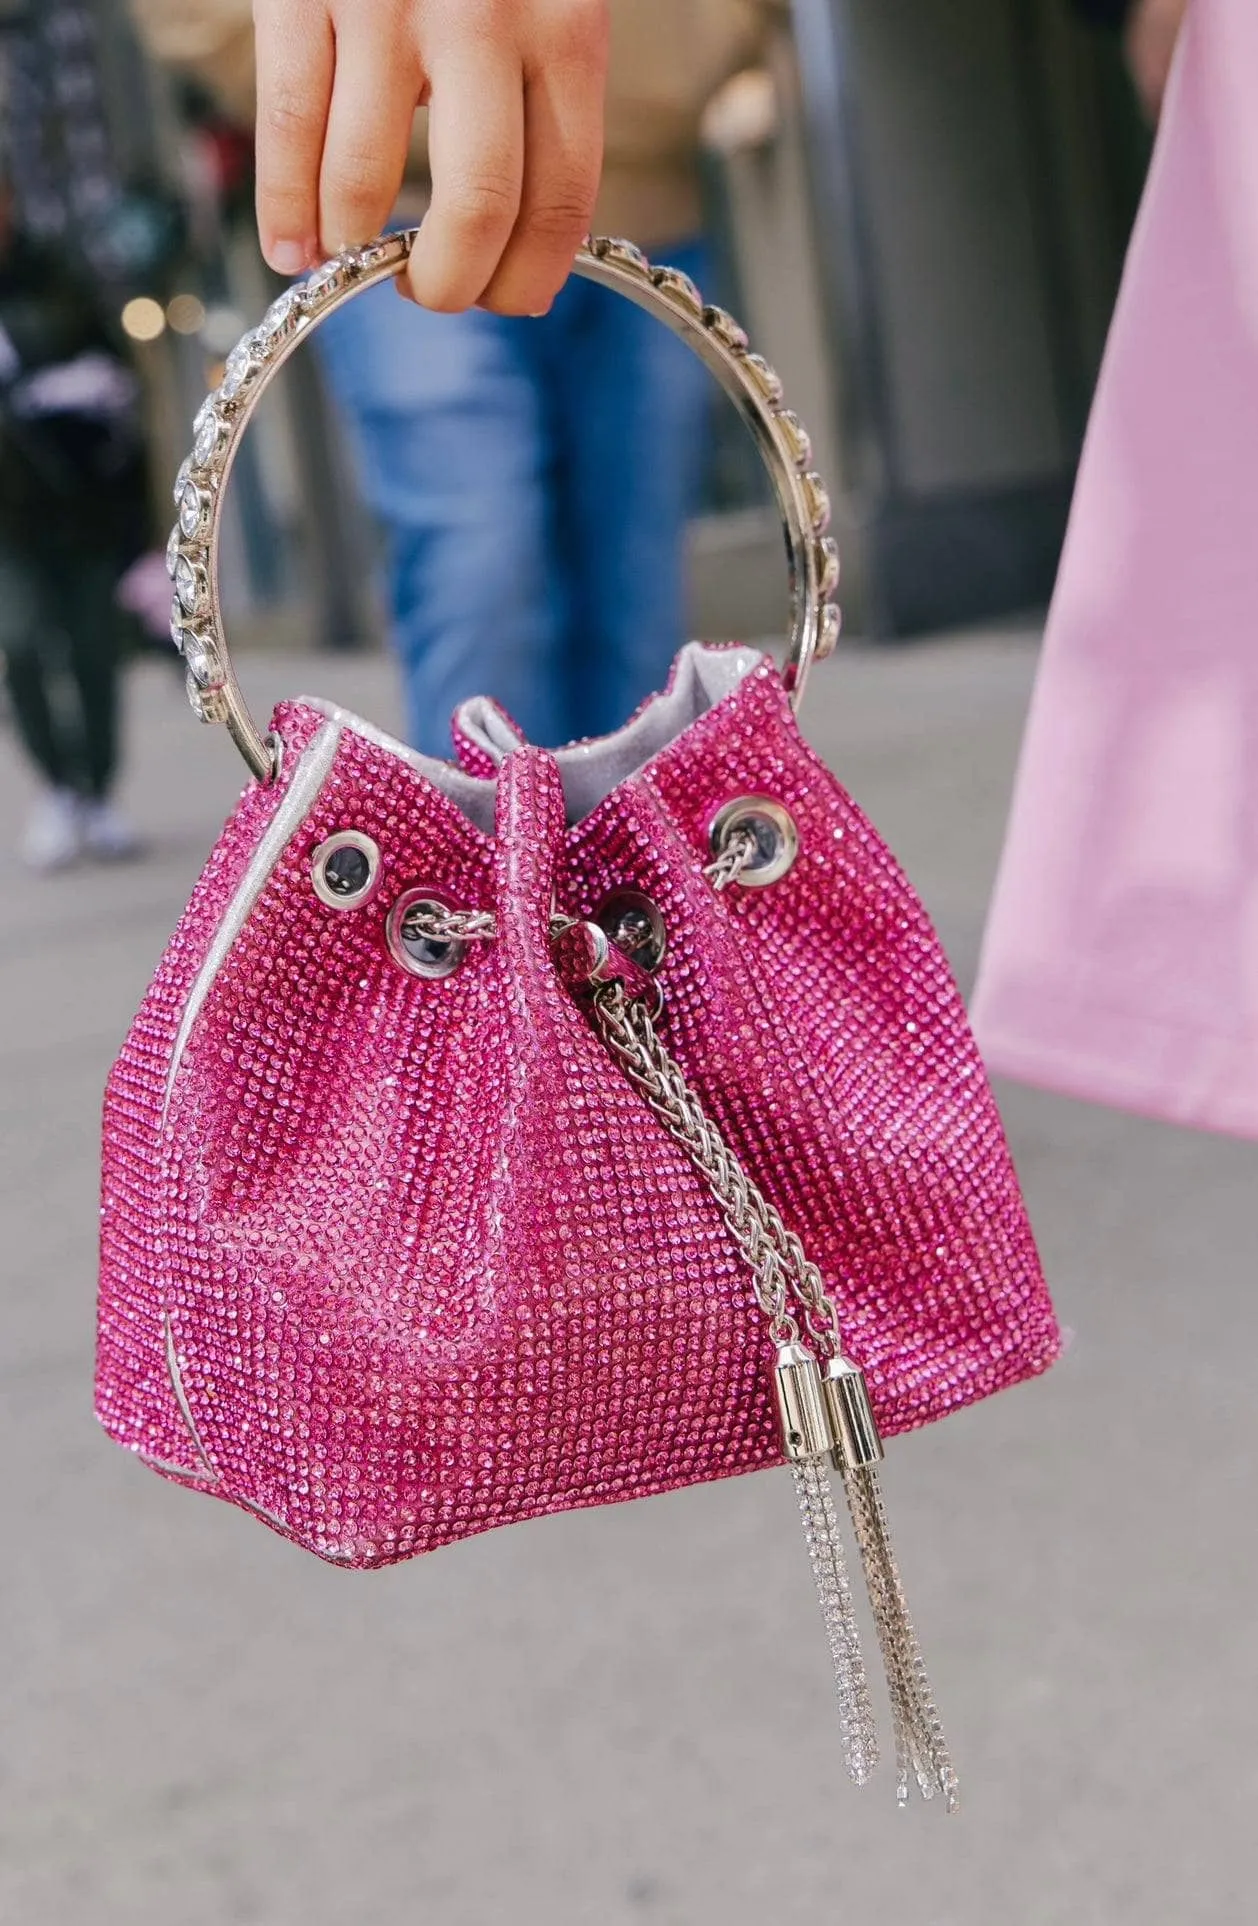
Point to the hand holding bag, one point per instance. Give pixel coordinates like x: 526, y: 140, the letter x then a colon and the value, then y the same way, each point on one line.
x: 545, y: 1130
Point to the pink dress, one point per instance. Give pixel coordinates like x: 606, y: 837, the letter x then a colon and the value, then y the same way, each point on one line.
x: 1121, y: 959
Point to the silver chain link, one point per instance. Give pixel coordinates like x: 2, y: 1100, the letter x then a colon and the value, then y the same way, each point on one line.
x: 739, y: 850
x: 449, y: 925
x: 481, y: 926
x: 821, y: 1318
x: 781, y: 1270
x: 922, y: 1751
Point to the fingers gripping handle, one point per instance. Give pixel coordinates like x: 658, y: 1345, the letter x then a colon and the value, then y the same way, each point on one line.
x: 193, y: 553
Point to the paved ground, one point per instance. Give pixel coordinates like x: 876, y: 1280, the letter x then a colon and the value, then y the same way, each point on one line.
x: 621, y: 1716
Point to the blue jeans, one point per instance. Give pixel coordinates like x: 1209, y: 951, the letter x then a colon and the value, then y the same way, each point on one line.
x: 534, y: 479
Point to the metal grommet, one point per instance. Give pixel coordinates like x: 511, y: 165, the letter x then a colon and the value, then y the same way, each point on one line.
x: 345, y: 870
x: 776, y: 838
x: 635, y: 925
x: 427, y: 956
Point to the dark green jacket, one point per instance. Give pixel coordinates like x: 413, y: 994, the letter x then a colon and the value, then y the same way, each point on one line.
x: 71, y: 460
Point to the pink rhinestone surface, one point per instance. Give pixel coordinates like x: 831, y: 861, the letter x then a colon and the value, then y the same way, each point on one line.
x: 401, y: 1260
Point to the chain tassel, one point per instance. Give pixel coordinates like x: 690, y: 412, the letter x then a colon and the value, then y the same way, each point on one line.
x: 825, y: 1419
x: 921, y: 1748
x: 828, y: 1420
x: 808, y: 1438
x: 838, y: 1612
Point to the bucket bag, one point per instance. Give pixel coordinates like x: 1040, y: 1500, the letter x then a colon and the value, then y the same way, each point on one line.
x: 538, y: 1130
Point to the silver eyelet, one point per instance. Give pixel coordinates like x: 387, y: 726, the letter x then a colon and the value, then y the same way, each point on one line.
x: 345, y: 870
x: 427, y: 956
x: 635, y: 925
x: 777, y: 839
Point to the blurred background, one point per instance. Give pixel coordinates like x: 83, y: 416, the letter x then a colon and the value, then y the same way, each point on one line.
x: 922, y: 228
x: 920, y: 209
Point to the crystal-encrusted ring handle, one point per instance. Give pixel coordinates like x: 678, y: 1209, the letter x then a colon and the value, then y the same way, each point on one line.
x: 196, y: 621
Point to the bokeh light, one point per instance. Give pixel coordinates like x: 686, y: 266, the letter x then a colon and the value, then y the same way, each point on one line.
x: 185, y: 313
x: 144, y: 319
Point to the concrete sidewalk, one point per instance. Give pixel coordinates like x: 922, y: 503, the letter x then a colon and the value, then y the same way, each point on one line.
x: 622, y: 1716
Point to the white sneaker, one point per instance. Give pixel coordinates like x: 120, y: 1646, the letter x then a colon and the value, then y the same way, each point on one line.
x: 53, y: 837
x: 108, y: 836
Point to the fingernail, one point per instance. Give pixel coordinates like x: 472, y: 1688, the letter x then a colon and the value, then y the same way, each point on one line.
x: 288, y: 257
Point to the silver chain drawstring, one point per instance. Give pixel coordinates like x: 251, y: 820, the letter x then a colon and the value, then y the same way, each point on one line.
x: 822, y: 1396
x: 739, y: 850
x: 440, y: 925
x: 783, y: 1277
x: 450, y: 926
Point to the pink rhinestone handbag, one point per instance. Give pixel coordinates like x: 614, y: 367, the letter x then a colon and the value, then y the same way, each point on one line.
x: 544, y: 1130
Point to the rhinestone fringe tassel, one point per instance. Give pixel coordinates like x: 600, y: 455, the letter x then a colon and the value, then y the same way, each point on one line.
x: 920, y: 1747
x: 838, y: 1612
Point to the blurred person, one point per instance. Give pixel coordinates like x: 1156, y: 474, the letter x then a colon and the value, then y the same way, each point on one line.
x: 144, y: 594
x: 1151, y: 30
x: 1152, y: 33
x: 72, y: 507
x: 1120, y: 962
x: 534, y: 476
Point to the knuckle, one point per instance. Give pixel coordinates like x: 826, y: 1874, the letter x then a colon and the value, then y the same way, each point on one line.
x: 484, y: 205
x: 355, y: 179
x: 560, y: 217
x: 287, y: 116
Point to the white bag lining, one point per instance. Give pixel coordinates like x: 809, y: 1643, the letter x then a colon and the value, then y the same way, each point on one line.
x: 703, y: 677
x: 591, y: 770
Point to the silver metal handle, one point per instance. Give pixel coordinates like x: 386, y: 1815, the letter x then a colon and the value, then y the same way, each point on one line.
x: 193, y: 552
